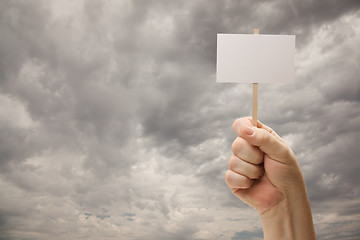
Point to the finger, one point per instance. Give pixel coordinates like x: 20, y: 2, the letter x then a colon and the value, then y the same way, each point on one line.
x: 246, y: 151
x: 244, y: 168
x: 267, y: 141
x: 248, y: 121
x: 235, y: 180
x: 270, y: 130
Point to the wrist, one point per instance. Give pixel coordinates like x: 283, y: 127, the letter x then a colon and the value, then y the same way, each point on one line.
x: 289, y: 219
x: 277, y: 222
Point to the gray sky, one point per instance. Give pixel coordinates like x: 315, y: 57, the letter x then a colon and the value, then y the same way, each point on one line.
x: 112, y: 125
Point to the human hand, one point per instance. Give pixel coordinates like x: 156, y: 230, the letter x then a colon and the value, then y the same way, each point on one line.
x: 264, y: 173
x: 263, y: 169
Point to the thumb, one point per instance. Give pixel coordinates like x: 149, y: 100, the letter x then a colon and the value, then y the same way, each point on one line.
x: 264, y: 138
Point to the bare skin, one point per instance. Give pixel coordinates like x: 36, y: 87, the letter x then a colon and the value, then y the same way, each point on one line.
x: 264, y: 173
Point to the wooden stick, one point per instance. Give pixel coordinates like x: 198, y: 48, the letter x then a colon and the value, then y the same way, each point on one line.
x: 255, y: 95
x: 254, y: 104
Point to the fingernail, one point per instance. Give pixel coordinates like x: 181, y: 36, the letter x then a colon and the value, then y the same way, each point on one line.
x: 249, y: 130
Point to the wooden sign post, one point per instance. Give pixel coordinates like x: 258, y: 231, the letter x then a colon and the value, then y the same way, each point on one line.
x: 255, y: 95
x: 255, y: 58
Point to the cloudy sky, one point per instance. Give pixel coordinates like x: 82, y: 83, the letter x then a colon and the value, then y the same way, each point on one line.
x: 112, y: 125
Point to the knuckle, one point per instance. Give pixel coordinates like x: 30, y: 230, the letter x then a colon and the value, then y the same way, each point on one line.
x: 265, y: 137
x: 270, y: 130
x: 244, y: 181
x: 235, y: 124
x: 228, y: 178
x: 237, y: 180
x: 258, y: 172
x: 232, y: 162
x: 260, y: 158
x: 253, y: 174
x: 236, y: 145
x: 247, y: 182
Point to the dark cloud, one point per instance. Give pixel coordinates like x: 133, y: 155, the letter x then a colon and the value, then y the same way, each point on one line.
x: 247, y: 235
x: 111, y: 116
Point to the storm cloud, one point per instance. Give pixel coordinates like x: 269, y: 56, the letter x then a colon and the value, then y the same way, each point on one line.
x: 112, y: 125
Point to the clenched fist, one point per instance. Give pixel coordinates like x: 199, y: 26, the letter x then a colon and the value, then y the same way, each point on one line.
x: 264, y: 173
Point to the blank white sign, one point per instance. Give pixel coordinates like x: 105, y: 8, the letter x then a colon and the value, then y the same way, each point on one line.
x: 255, y: 58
